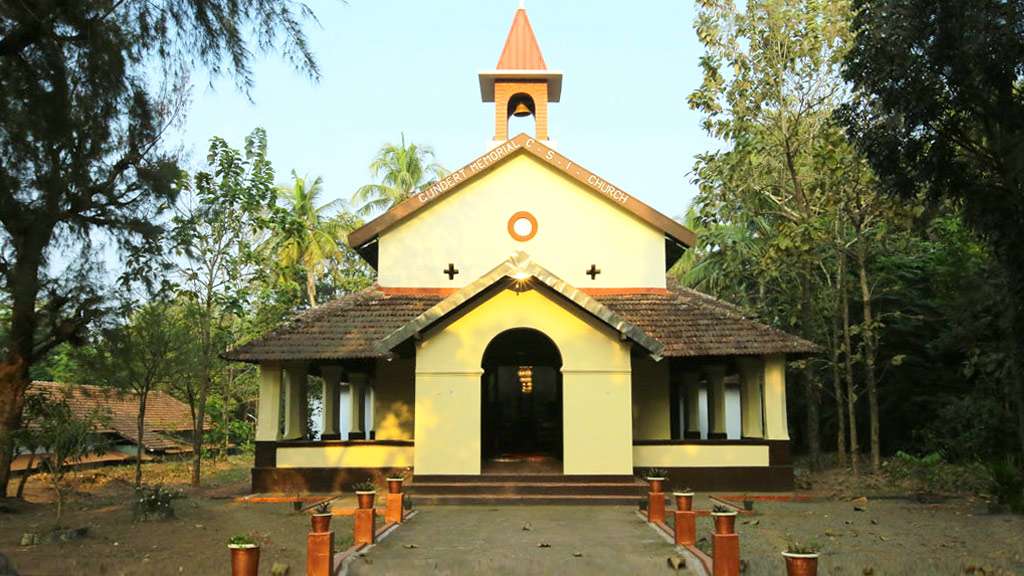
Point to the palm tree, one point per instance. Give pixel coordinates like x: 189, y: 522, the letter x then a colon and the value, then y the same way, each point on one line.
x: 401, y: 170
x: 311, y: 235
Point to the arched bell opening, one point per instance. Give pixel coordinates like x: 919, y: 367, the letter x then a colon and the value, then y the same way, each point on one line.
x: 521, y: 114
x: 521, y: 401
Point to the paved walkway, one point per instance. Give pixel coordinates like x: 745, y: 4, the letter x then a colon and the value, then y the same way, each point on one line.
x: 493, y: 541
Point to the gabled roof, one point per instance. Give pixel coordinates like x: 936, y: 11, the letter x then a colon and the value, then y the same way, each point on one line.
x: 686, y: 322
x: 521, y: 50
x: 520, y: 268
x: 363, y: 238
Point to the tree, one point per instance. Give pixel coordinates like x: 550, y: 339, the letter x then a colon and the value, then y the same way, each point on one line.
x: 771, y: 81
x: 309, y: 238
x: 81, y: 159
x: 66, y: 437
x: 141, y: 355
x: 213, y: 234
x: 401, y: 170
x: 939, y: 108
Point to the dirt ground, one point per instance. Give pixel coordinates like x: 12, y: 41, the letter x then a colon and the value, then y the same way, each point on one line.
x: 486, y: 540
x: 193, y: 543
x: 892, y: 536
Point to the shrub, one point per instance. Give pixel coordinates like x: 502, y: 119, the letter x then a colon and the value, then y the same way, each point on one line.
x: 808, y: 548
x: 154, y: 503
x: 242, y: 540
x: 656, y: 473
x: 323, y: 508
x: 931, y: 473
x: 364, y: 486
x: 1007, y: 487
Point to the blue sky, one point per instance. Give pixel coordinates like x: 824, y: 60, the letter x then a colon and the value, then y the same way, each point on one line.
x: 393, y: 66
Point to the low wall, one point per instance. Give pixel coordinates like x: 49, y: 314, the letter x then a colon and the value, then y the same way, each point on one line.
x: 751, y: 465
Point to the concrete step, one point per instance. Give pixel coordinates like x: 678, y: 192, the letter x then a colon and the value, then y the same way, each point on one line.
x: 522, y: 499
x: 626, y: 489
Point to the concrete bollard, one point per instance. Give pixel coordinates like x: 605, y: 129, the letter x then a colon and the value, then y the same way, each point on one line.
x: 365, y: 526
x: 655, y: 507
x: 320, y: 553
x: 394, y: 511
x: 725, y: 554
x: 686, y: 527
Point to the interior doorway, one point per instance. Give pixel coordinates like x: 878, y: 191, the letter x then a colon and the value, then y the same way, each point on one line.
x: 521, y: 408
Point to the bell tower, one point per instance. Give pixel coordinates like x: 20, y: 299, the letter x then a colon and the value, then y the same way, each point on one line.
x: 521, y: 85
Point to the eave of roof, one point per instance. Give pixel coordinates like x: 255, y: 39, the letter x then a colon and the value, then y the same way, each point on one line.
x: 521, y: 144
x: 520, y: 268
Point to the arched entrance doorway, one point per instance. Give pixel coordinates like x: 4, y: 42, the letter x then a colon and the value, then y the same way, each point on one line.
x: 521, y: 412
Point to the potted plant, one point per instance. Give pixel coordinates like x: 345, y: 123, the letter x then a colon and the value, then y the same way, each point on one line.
x: 245, y: 555
x: 655, y: 477
x: 801, y: 560
x: 366, y: 492
x: 321, y: 518
x: 395, y: 483
x: 748, y: 503
x: 684, y: 499
x: 725, y: 519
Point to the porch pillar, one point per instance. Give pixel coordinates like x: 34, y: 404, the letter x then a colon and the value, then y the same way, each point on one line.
x: 691, y: 385
x: 716, y: 391
x: 268, y: 412
x: 356, y: 387
x: 752, y: 411
x: 295, y: 402
x: 775, y: 426
x: 332, y: 381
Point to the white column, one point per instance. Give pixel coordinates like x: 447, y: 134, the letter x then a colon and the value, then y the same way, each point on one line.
x: 332, y: 379
x: 295, y: 402
x: 691, y: 387
x: 732, y: 409
x: 716, y: 390
x: 751, y: 375
x: 368, y: 409
x: 268, y: 413
x: 775, y: 425
x: 356, y: 385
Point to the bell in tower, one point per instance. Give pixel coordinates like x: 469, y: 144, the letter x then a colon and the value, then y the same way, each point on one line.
x: 521, y: 85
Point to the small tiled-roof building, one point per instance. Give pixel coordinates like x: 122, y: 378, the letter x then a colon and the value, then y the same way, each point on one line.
x: 522, y: 313
x: 168, y: 422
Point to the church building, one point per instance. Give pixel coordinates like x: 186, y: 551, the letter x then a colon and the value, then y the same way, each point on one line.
x: 522, y: 324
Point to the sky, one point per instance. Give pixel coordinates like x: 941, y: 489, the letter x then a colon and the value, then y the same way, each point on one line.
x: 398, y: 66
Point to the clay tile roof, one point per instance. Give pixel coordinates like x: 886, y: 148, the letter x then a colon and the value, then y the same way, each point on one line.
x: 350, y: 327
x: 164, y: 413
x: 521, y: 50
x: 685, y: 322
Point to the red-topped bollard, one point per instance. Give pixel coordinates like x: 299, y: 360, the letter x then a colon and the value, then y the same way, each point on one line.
x: 725, y: 543
x: 364, y: 526
x: 655, y: 496
x: 320, y: 553
x: 394, y: 511
x: 685, y: 518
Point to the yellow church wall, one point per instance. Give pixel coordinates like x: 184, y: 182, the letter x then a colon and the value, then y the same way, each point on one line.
x: 596, y: 386
x: 575, y: 228
x: 357, y: 456
x: 651, y: 411
x: 693, y: 455
x: 394, y: 398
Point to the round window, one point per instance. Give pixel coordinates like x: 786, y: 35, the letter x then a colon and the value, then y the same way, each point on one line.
x: 522, y: 226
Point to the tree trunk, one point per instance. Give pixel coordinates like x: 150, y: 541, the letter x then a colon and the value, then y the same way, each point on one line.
x: 14, y: 380
x: 20, y: 495
x: 311, y: 288
x: 837, y: 383
x: 868, y: 338
x: 197, y: 431
x: 851, y: 386
x: 141, y: 423
x: 810, y: 387
x: 226, y: 416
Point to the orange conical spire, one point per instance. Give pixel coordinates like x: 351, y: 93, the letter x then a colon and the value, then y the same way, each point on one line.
x: 521, y: 50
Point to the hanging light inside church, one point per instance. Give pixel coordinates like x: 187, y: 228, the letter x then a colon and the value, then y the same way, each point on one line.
x: 526, y: 379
